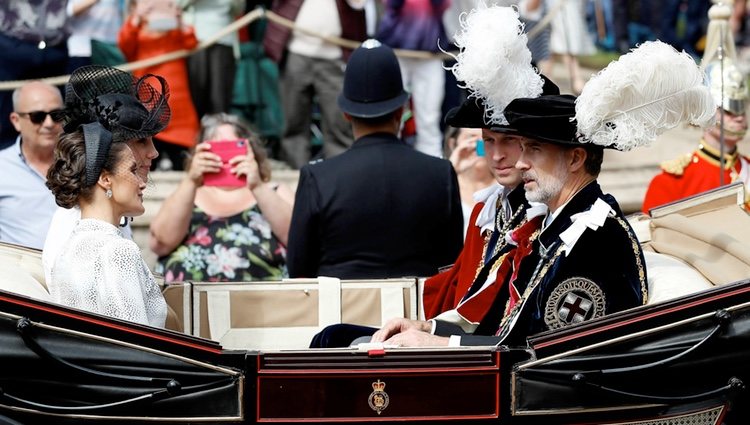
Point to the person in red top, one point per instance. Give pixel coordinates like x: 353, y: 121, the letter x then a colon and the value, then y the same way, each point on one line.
x: 153, y: 29
x: 700, y: 170
x: 445, y: 290
x: 703, y: 169
x: 696, y: 172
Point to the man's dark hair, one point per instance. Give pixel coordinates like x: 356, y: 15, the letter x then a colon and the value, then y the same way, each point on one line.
x: 374, y: 120
x: 594, y: 159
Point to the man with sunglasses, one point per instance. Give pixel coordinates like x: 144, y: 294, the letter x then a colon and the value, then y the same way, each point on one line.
x: 26, y: 205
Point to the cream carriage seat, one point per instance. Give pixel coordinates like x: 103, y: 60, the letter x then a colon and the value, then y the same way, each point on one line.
x: 669, y: 277
x: 286, y: 314
x: 695, y: 243
x: 22, y: 272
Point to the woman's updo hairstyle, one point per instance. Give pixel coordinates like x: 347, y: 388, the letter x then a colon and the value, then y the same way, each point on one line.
x: 66, y: 177
x: 104, y: 106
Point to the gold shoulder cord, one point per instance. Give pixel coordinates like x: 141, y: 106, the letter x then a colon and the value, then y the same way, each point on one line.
x: 677, y: 165
x: 637, y: 251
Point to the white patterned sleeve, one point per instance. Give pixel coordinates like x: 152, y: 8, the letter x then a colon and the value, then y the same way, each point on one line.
x: 130, y: 292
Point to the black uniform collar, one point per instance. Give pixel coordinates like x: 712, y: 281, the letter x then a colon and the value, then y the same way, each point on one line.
x: 581, y: 201
x: 377, y: 139
x: 713, y: 155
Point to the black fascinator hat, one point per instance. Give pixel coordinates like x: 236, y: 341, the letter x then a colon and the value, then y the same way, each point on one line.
x: 129, y: 107
x: 109, y: 105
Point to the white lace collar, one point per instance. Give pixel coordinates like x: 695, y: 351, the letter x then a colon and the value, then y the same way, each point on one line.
x: 486, y: 218
x: 96, y: 225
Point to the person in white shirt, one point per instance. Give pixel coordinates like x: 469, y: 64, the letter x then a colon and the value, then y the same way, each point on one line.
x: 96, y: 171
x: 140, y: 142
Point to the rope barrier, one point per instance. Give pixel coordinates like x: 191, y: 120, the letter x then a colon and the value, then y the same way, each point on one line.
x: 247, y: 19
x: 546, y: 20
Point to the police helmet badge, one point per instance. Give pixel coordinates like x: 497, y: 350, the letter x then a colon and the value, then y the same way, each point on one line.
x: 378, y: 399
x: 573, y: 301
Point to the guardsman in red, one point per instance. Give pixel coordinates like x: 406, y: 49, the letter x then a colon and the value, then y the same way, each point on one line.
x: 698, y: 171
x: 701, y: 170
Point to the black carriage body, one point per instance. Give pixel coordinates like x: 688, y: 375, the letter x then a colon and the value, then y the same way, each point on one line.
x: 683, y: 361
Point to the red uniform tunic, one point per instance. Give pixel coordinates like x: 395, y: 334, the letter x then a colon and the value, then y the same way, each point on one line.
x: 446, y: 290
x: 443, y: 291
x: 694, y: 173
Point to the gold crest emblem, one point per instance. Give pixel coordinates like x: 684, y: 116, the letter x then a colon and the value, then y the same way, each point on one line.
x: 378, y: 399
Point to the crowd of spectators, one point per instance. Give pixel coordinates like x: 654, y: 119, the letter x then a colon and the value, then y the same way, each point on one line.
x: 56, y: 36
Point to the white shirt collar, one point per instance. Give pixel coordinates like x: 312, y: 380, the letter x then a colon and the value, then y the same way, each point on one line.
x: 486, y: 218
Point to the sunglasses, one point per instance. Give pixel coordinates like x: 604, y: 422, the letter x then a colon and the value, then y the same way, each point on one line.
x: 38, y: 117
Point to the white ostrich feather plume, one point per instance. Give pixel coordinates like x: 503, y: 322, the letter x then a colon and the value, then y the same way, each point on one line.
x: 494, y: 62
x: 644, y: 93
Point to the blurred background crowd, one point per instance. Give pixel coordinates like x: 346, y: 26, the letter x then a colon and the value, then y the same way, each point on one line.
x: 284, y: 81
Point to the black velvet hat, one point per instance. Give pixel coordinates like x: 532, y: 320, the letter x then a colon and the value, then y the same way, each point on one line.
x: 372, y: 82
x: 471, y: 113
x: 545, y: 118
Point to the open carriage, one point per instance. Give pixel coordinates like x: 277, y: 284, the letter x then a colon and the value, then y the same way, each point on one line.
x: 681, y: 359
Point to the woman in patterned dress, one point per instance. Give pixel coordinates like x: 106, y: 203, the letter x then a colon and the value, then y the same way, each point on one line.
x: 210, y: 233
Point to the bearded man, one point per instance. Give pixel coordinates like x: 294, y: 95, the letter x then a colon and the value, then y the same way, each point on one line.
x: 584, y: 263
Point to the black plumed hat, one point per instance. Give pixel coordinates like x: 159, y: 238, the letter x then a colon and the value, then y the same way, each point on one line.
x: 545, y: 118
x: 471, y: 113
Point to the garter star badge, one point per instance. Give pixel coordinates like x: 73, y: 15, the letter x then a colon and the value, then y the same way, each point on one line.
x: 573, y: 301
x: 378, y: 399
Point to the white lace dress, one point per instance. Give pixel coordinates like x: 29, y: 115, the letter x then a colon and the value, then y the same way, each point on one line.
x: 99, y: 270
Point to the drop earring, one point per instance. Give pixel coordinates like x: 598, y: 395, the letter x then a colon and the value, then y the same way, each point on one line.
x: 108, y: 193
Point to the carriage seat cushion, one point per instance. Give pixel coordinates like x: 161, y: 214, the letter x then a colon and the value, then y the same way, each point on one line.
x: 21, y: 277
x: 715, y: 243
x: 669, y: 277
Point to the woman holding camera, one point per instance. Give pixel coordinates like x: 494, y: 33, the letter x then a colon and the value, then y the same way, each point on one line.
x: 224, y: 233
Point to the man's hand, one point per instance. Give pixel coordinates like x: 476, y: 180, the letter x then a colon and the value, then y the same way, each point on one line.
x: 416, y: 338
x: 399, y: 325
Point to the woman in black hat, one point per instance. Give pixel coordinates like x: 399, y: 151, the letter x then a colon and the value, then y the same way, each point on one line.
x: 143, y: 112
x: 100, y: 167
